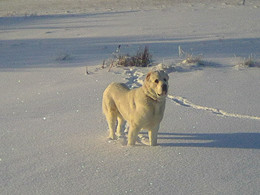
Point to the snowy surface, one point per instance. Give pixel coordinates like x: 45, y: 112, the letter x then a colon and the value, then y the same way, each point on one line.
x: 53, y: 135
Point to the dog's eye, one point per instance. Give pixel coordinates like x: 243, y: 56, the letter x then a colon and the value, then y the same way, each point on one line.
x: 156, y: 81
x: 165, y: 79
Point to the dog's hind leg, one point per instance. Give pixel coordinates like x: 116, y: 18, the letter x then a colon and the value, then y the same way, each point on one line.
x: 111, y: 121
x: 120, y: 126
x: 110, y: 111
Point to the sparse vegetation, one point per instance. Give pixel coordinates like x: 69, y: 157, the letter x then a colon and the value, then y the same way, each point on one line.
x: 248, y: 62
x: 190, y: 59
x: 142, y: 58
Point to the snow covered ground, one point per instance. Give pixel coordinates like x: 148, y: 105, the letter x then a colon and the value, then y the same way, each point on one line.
x: 52, y: 130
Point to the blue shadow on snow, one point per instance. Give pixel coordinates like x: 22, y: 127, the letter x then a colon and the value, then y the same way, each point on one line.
x: 214, y: 140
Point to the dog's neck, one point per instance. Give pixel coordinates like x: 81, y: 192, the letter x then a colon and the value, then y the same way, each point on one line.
x: 151, y: 95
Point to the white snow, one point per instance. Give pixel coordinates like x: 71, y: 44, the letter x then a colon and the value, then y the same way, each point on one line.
x: 53, y: 135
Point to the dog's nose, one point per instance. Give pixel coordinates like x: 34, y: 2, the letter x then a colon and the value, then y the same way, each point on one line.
x: 164, y: 87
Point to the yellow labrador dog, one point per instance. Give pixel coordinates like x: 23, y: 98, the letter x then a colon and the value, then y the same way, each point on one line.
x: 142, y: 107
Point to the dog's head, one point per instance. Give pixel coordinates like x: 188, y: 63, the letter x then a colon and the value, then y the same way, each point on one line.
x: 156, y: 84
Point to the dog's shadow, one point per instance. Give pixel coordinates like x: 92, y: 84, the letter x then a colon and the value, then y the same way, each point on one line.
x: 211, y: 140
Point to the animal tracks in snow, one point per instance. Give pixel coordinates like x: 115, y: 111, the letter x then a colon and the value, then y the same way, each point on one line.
x: 135, y: 78
x: 184, y: 102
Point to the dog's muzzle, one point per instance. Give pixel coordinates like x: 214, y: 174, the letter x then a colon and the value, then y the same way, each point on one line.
x: 165, y: 88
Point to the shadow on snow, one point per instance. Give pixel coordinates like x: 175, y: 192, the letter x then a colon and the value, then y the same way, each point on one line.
x: 214, y: 140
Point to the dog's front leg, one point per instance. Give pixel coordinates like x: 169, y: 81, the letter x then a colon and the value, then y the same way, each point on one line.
x: 133, y: 134
x: 153, y: 133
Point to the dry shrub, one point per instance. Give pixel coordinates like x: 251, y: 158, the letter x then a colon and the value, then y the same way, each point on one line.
x: 190, y: 59
x: 251, y: 62
x: 248, y: 63
x: 142, y: 58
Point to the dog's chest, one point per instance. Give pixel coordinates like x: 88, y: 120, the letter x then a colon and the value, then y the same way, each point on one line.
x: 154, y: 114
x: 158, y: 109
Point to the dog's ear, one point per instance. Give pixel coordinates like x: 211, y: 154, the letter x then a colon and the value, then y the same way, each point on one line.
x: 148, y: 76
x: 167, y: 77
x: 165, y: 73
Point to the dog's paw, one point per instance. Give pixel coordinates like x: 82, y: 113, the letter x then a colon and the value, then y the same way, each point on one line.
x: 110, y: 140
x: 122, y: 140
x: 142, y: 140
x: 119, y: 139
x: 112, y: 136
